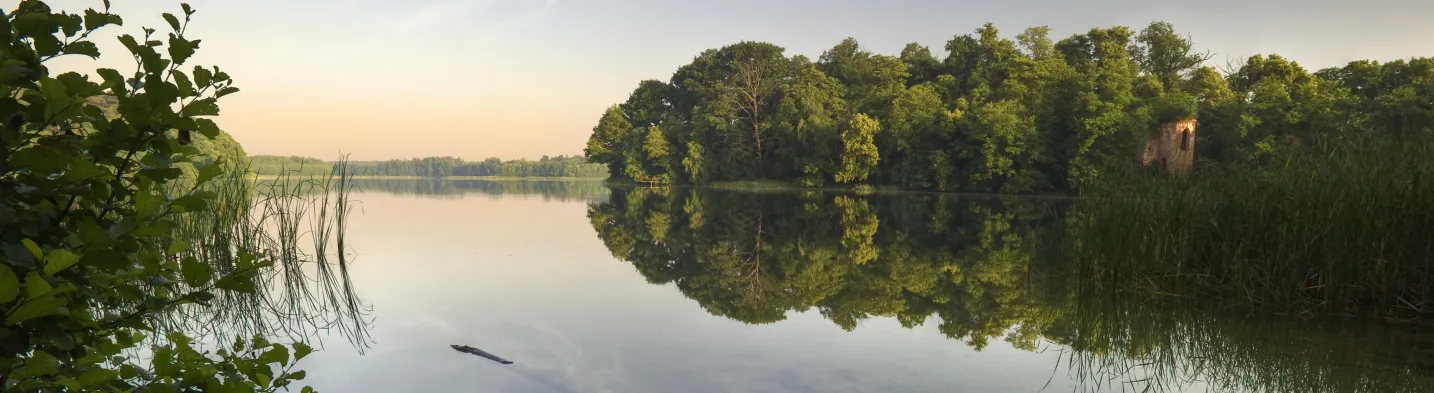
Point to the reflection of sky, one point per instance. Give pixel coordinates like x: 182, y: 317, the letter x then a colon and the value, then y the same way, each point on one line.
x: 529, y: 281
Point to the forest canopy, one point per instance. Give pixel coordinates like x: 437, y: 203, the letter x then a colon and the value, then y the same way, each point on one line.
x: 1022, y: 114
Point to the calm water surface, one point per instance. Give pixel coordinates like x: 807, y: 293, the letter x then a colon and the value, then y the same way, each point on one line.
x: 589, y: 289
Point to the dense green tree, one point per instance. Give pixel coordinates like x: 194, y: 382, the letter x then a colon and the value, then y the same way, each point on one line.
x: 810, y: 115
x: 1165, y: 54
x: 610, y: 139
x: 859, y: 153
x: 922, y: 66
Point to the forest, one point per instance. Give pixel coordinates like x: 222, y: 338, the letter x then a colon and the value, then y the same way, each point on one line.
x: 560, y: 166
x: 1023, y: 114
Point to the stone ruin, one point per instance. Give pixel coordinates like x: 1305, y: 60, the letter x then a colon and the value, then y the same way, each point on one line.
x: 1172, y: 147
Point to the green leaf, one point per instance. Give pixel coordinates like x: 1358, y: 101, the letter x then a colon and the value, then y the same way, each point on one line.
x: 130, y: 43
x: 59, y: 260
x: 297, y: 375
x: 45, y: 305
x: 181, y: 49
x: 187, y: 10
x: 227, y: 90
x: 207, y: 127
x: 47, y: 45
x: 201, y: 297
x: 202, y: 76
x: 58, y: 97
x: 160, y: 92
x: 93, y: 235
x: 34, y: 248
x: 71, y: 23
x: 153, y: 229
x: 186, y: 87
x: 39, y: 364
x: 276, y: 354
x: 112, y: 78
x: 106, y: 259
x: 195, y: 273
x: 301, y: 350
x: 94, y: 20
x: 202, y: 107
x: 146, y: 203
x: 36, y: 286
x: 173, y: 22
x: 129, y: 371
x: 9, y: 284
x: 83, y: 170
x: 190, y: 203
x: 97, y: 376
x: 178, y: 246
x: 83, y: 48
x: 209, y: 172
x: 241, y: 282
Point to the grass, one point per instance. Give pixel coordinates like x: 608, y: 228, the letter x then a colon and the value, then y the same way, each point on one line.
x: 297, y: 223
x: 1349, y: 230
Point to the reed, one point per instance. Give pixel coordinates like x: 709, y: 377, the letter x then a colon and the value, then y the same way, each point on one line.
x: 299, y: 224
x: 1345, y: 228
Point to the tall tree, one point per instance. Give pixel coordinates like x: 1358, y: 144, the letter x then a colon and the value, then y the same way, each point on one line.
x: 610, y: 140
x: 859, y: 154
x: 808, y: 124
x: 1166, y: 54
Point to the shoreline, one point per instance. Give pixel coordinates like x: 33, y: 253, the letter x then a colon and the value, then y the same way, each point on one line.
x: 483, y: 178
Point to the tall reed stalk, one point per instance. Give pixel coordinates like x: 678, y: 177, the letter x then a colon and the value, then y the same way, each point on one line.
x: 298, y: 223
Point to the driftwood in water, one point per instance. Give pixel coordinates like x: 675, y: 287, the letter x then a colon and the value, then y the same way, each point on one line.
x: 479, y: 352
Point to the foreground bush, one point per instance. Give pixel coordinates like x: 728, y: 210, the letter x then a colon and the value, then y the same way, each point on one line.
x: 92, y: 263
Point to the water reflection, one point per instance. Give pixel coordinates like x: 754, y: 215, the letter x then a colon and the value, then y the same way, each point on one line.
x: 983, y: 269
x: 553, y: 190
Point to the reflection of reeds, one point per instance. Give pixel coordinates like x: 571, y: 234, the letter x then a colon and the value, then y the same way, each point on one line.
x: 1170, y: 346
x: 305, y: 292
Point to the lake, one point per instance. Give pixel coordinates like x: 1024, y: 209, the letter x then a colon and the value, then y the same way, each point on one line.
x: 592, y: 289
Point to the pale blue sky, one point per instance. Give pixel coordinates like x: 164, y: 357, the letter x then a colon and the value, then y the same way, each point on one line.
x: 522, y: 78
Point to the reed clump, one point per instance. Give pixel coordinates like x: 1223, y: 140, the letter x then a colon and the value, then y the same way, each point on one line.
x: 1341, y: 228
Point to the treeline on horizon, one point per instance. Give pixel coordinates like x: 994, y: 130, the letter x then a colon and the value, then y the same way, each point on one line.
x: 1022, y: 115
x: 560, y: 166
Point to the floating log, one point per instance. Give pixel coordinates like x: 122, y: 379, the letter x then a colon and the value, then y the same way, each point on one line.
x: 479, y: 352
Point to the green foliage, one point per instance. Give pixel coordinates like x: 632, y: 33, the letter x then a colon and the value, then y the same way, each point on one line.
x: 97, y: 180
x: 1175, y: 105
x: 997, y: 115
x: 292, y: 165
x: 859, y: 153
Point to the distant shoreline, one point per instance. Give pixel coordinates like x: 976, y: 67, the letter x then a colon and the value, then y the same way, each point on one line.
x: 486, y: 178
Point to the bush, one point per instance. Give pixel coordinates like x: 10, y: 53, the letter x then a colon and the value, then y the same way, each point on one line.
x: 90, y: 202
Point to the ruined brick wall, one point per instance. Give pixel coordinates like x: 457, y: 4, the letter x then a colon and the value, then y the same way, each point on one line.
x: 1171, y: 147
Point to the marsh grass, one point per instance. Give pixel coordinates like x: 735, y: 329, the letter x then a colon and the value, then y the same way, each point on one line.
x: 1347, y: 230
x: 299, y: 224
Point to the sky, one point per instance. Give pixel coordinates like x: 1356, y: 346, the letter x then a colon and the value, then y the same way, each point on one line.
x: 381, y: 79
